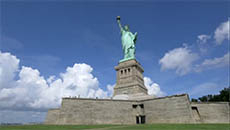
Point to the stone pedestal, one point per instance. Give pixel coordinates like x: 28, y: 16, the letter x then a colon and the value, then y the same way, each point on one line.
x: 129, y: 78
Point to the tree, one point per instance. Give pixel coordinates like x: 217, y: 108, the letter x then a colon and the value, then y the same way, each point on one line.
x: 224, y: 94
x: 222, y: 97
x: 194, y: 100
x: 203, y: 99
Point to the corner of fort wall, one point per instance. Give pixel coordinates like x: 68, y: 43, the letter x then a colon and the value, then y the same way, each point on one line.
x: 52, y: 116
x: 212, y: 112
x: 170, y: 109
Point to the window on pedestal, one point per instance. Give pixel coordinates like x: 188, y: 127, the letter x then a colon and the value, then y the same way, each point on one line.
x: 125, y: 71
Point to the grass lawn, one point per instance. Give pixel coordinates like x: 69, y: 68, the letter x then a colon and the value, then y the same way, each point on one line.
x: 121, y: 127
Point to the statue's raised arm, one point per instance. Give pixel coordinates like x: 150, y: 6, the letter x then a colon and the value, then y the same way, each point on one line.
x: 119, y: 22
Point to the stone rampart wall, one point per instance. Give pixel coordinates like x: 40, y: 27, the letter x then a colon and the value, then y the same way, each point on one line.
x: 172, y: 109
x: 86, y: 111
x: 214, y: 112
x: 52, y: 116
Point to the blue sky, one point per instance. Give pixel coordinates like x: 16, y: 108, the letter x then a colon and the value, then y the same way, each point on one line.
x: 51, y: 36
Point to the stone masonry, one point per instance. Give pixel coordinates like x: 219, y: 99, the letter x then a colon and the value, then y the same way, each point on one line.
x: 170, y: 109
x: 129, y: 78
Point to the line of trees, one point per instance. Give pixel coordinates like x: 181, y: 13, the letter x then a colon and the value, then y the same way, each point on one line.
x: 223, y: 96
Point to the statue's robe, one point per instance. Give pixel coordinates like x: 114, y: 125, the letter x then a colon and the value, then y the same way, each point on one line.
x: 128, y: 43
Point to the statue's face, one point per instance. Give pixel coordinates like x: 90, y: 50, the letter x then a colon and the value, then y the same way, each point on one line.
x: 126, y: 27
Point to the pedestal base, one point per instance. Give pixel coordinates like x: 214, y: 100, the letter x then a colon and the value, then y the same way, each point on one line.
x: 129, y: 78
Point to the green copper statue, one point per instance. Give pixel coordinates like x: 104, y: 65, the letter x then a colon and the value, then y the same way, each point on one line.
x: 128, y: 40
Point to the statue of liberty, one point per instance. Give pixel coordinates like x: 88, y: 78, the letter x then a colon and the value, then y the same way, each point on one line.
x: 128, y: 40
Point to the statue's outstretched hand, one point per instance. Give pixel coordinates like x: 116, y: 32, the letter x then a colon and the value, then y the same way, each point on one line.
x: 118, y: 18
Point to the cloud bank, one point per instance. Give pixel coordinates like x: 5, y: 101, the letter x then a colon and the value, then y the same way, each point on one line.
x: 153, y: 88
x: 25, y: 88
x: 203, y: 38
x: 213, y: 63
x: 180, y: 59
x: 222, y: 32
x: 185, y: 60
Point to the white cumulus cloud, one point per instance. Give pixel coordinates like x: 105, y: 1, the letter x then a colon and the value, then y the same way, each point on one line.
x: 8, y: 68
x: 214, y: 63
x: 110, y: 89
x: 203, y: 38
x: 222, y: 32
x: 181, y: 59
x: 153, y: 88
x: 25, y: 88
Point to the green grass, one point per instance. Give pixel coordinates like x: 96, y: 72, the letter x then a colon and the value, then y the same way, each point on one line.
x: 121, y: 127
